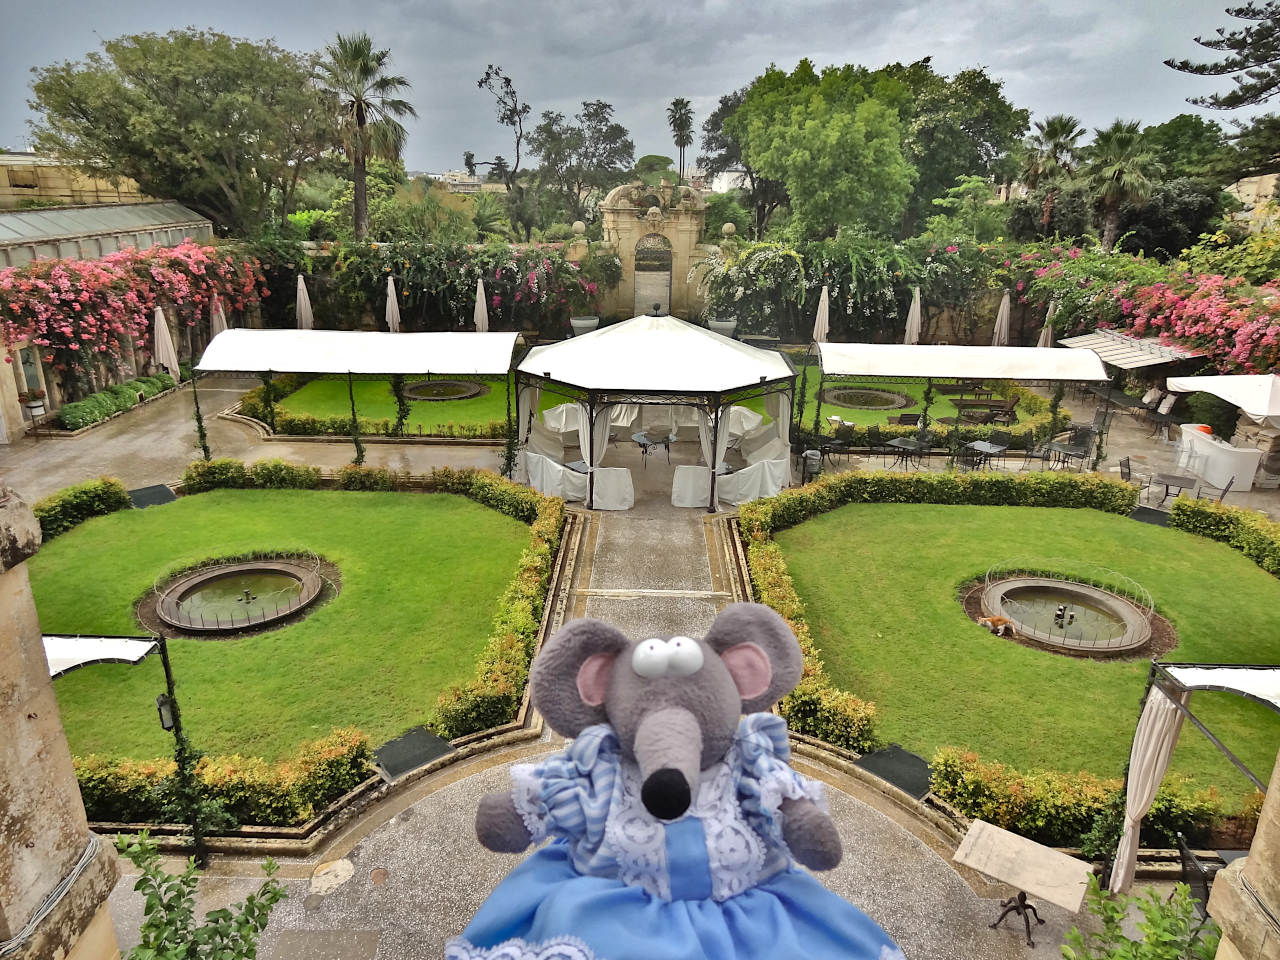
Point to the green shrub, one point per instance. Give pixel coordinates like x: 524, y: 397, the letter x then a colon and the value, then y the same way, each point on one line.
x: 78, y: 414
x: 253, y: 403
x: 1216, y: 412
x: 1254, y: 534
x: 166, y: 382
x: 202, y: 475
x: 1059, y: 809
x: 73, y: 505
x: 124, y: 395
x: 147, y: 386
x: 1170, y: 928
x: 281, y: 475
x: 109, y: 401
x: 252, y: 790
x: 355, y: 477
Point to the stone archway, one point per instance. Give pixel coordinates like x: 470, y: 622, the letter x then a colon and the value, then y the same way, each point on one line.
x: 653, y: 274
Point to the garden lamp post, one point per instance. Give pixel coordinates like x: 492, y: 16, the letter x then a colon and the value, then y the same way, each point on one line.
x: 171, y: 720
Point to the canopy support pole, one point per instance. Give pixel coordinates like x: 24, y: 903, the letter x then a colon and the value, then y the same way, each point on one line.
x: 591, y: 449
x: 355, y: 423
x: 817, y: 404
x: 509, y: 447
x: 798, y: 406
x: 715, y: 444
x: 201, y: 435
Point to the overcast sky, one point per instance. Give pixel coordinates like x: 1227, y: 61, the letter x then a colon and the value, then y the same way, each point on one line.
x: 1096, y: 59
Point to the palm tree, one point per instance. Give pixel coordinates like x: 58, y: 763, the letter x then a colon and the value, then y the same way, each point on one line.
x: 355, y: 73
x: 1121, y: 168
x: 680, y: 118
x: 1052, y: 155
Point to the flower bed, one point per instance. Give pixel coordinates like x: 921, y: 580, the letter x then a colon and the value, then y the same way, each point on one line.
x: 105, y: 404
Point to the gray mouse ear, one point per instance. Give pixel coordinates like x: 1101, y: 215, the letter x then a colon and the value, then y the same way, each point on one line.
x: 740, y: 634
x: 570, y: 676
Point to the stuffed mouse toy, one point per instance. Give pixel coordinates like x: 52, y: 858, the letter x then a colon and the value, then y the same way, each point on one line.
x: 677, y: 821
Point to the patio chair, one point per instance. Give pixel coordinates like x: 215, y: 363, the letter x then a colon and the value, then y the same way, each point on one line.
x: 969, y: 459
x: 1128, y: 476
x: 1208, y: 490
x: 876, y: 444
x: 979, y: 417
x: 1033, y: 452
x: 1196, y: 876
x: 1006, y: 414
x: 906, y: 419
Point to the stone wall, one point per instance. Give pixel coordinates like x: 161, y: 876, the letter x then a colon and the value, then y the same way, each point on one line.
x: 43, y: 830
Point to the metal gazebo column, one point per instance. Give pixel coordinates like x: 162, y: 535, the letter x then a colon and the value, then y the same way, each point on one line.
x: 715, y: 443
x: 591, y: 448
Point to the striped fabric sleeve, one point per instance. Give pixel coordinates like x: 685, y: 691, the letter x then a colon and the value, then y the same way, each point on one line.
x: 569, y: 793
x: 765, y: 777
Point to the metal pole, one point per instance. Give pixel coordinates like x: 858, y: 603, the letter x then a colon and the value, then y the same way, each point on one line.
x: 817, y: 404
x: 591, y: 449
x: 200, y: 433
x: 715, y: 443
x: 182, y: 756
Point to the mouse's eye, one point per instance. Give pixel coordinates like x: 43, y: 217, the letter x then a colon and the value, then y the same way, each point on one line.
x: 650, y: 659
x: 685, y: 656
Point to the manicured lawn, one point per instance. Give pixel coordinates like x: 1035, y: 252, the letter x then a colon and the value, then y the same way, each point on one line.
x: 879, y: 583
x: 941, y: 406
x: 421, y: 575
x: 327, y: 397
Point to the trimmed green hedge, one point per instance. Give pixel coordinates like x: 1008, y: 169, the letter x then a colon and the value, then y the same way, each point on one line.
x: 252, y: 790
x: 73, y: 505
x: 492, y: 696
x: 108, y: 402
x: 1058, y: 809
x: 1035, y: 489
x: 1254, y: 534
x: 226, y: 473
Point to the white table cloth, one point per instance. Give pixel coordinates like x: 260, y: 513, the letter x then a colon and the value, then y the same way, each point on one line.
x: 1214, y: 461
x: 763, y: 479
x: 691, y: 485
x: 613, y: 489
x: 554, y: 479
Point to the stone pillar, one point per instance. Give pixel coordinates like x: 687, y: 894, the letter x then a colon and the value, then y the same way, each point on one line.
x: 44, y: 837
x: 1245, y: 900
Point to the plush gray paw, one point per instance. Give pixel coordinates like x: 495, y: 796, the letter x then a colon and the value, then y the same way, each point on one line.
x: 810, y: 834
x: 498, y: 824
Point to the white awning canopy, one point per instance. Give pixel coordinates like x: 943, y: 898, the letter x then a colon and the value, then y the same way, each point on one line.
x: 1260, y: 683
x: 68, y: 653
x: 358, y: 351
x: 1256, y: 395
x: 986, y: 363
x: 658, y: 355
x: 1129, y: 353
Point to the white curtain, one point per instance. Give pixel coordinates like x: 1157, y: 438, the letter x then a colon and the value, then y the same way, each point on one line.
x: 393, y: 307
x: 704, y: 436
x: 778, y: 406
x: 599, y: 435
x: 527, y: 402
x: 1153, y: 744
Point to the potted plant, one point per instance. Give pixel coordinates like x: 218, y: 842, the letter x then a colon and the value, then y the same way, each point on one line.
x: 725, y: 328
x: 33, y: 400
x: 583, y: 325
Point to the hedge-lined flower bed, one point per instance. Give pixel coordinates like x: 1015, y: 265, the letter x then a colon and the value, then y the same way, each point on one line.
x: 251, y: 790
x: 114, y: 399
x: 1038, y: 489
x: 1058, y: 809
x: 1254, y: 534
x: 73, y: 505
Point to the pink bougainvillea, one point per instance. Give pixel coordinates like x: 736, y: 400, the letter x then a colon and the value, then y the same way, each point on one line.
x: 83, y: 313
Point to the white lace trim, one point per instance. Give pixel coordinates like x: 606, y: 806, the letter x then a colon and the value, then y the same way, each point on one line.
x: 735, y: 852
x: 637, y: 839
x: 526, y: 791
x: 557, y: 948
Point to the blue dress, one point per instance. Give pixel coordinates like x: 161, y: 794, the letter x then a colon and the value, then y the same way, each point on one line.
x: 616, y: 883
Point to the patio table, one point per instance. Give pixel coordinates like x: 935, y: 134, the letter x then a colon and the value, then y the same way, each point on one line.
x: 987, y: 449
x: 1064, y: 453
x: 647, y: 445
x: 1171, y: 482
x: 907, y: 449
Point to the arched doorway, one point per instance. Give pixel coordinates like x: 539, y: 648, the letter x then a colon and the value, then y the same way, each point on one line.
x: 653, y: 274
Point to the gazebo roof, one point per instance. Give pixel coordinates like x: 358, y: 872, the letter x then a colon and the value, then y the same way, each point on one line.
x: 357, y: 351
x: 987, y: 363
x: 656, y: 354
x: 1258, y: 395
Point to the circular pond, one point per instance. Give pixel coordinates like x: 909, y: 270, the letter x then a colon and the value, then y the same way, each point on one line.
x: 445, y: 390
x: 866, y: 398
x: 238, y: 596
x: 1074, y: 616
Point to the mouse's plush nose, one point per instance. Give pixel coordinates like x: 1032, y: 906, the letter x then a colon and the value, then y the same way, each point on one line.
x: 666, y: 794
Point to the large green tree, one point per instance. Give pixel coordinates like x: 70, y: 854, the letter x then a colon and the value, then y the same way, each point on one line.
x: 221, y: 124
x: 522, y: 200
x: 1051, y: 157
x: 583, y: 157
x: 1187, y: 145
x: 680, y: 120
x: 835, y: 147
x: 1121, y: 169
x: 370, y: 107
x: 1251, y: 58
x: 722, y: 153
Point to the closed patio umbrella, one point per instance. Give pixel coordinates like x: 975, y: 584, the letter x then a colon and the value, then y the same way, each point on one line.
x: 393, y: 307
x: 482, y: 309
x: 913, y: 318
x: 162, y: 351
x: 217, y: 319
x: 1046, y: 334
x: 303, y: 309
x: 822, y: 324
x: 1000, y: 338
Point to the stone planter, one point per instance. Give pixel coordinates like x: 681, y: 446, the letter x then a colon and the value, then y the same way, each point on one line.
x: 35, y: 408
x: 725, y: 328
x: 583, y: 325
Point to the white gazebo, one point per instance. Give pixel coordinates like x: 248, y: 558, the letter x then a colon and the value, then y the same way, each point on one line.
x: 608, y: 375
x: 1164, y: 706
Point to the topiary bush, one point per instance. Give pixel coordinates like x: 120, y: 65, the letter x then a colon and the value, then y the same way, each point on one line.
x: 252, y: 790
x: 73, y: 505
x: 202, y: 475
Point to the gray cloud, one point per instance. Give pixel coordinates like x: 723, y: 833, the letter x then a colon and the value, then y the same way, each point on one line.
x: 1096, y: 59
